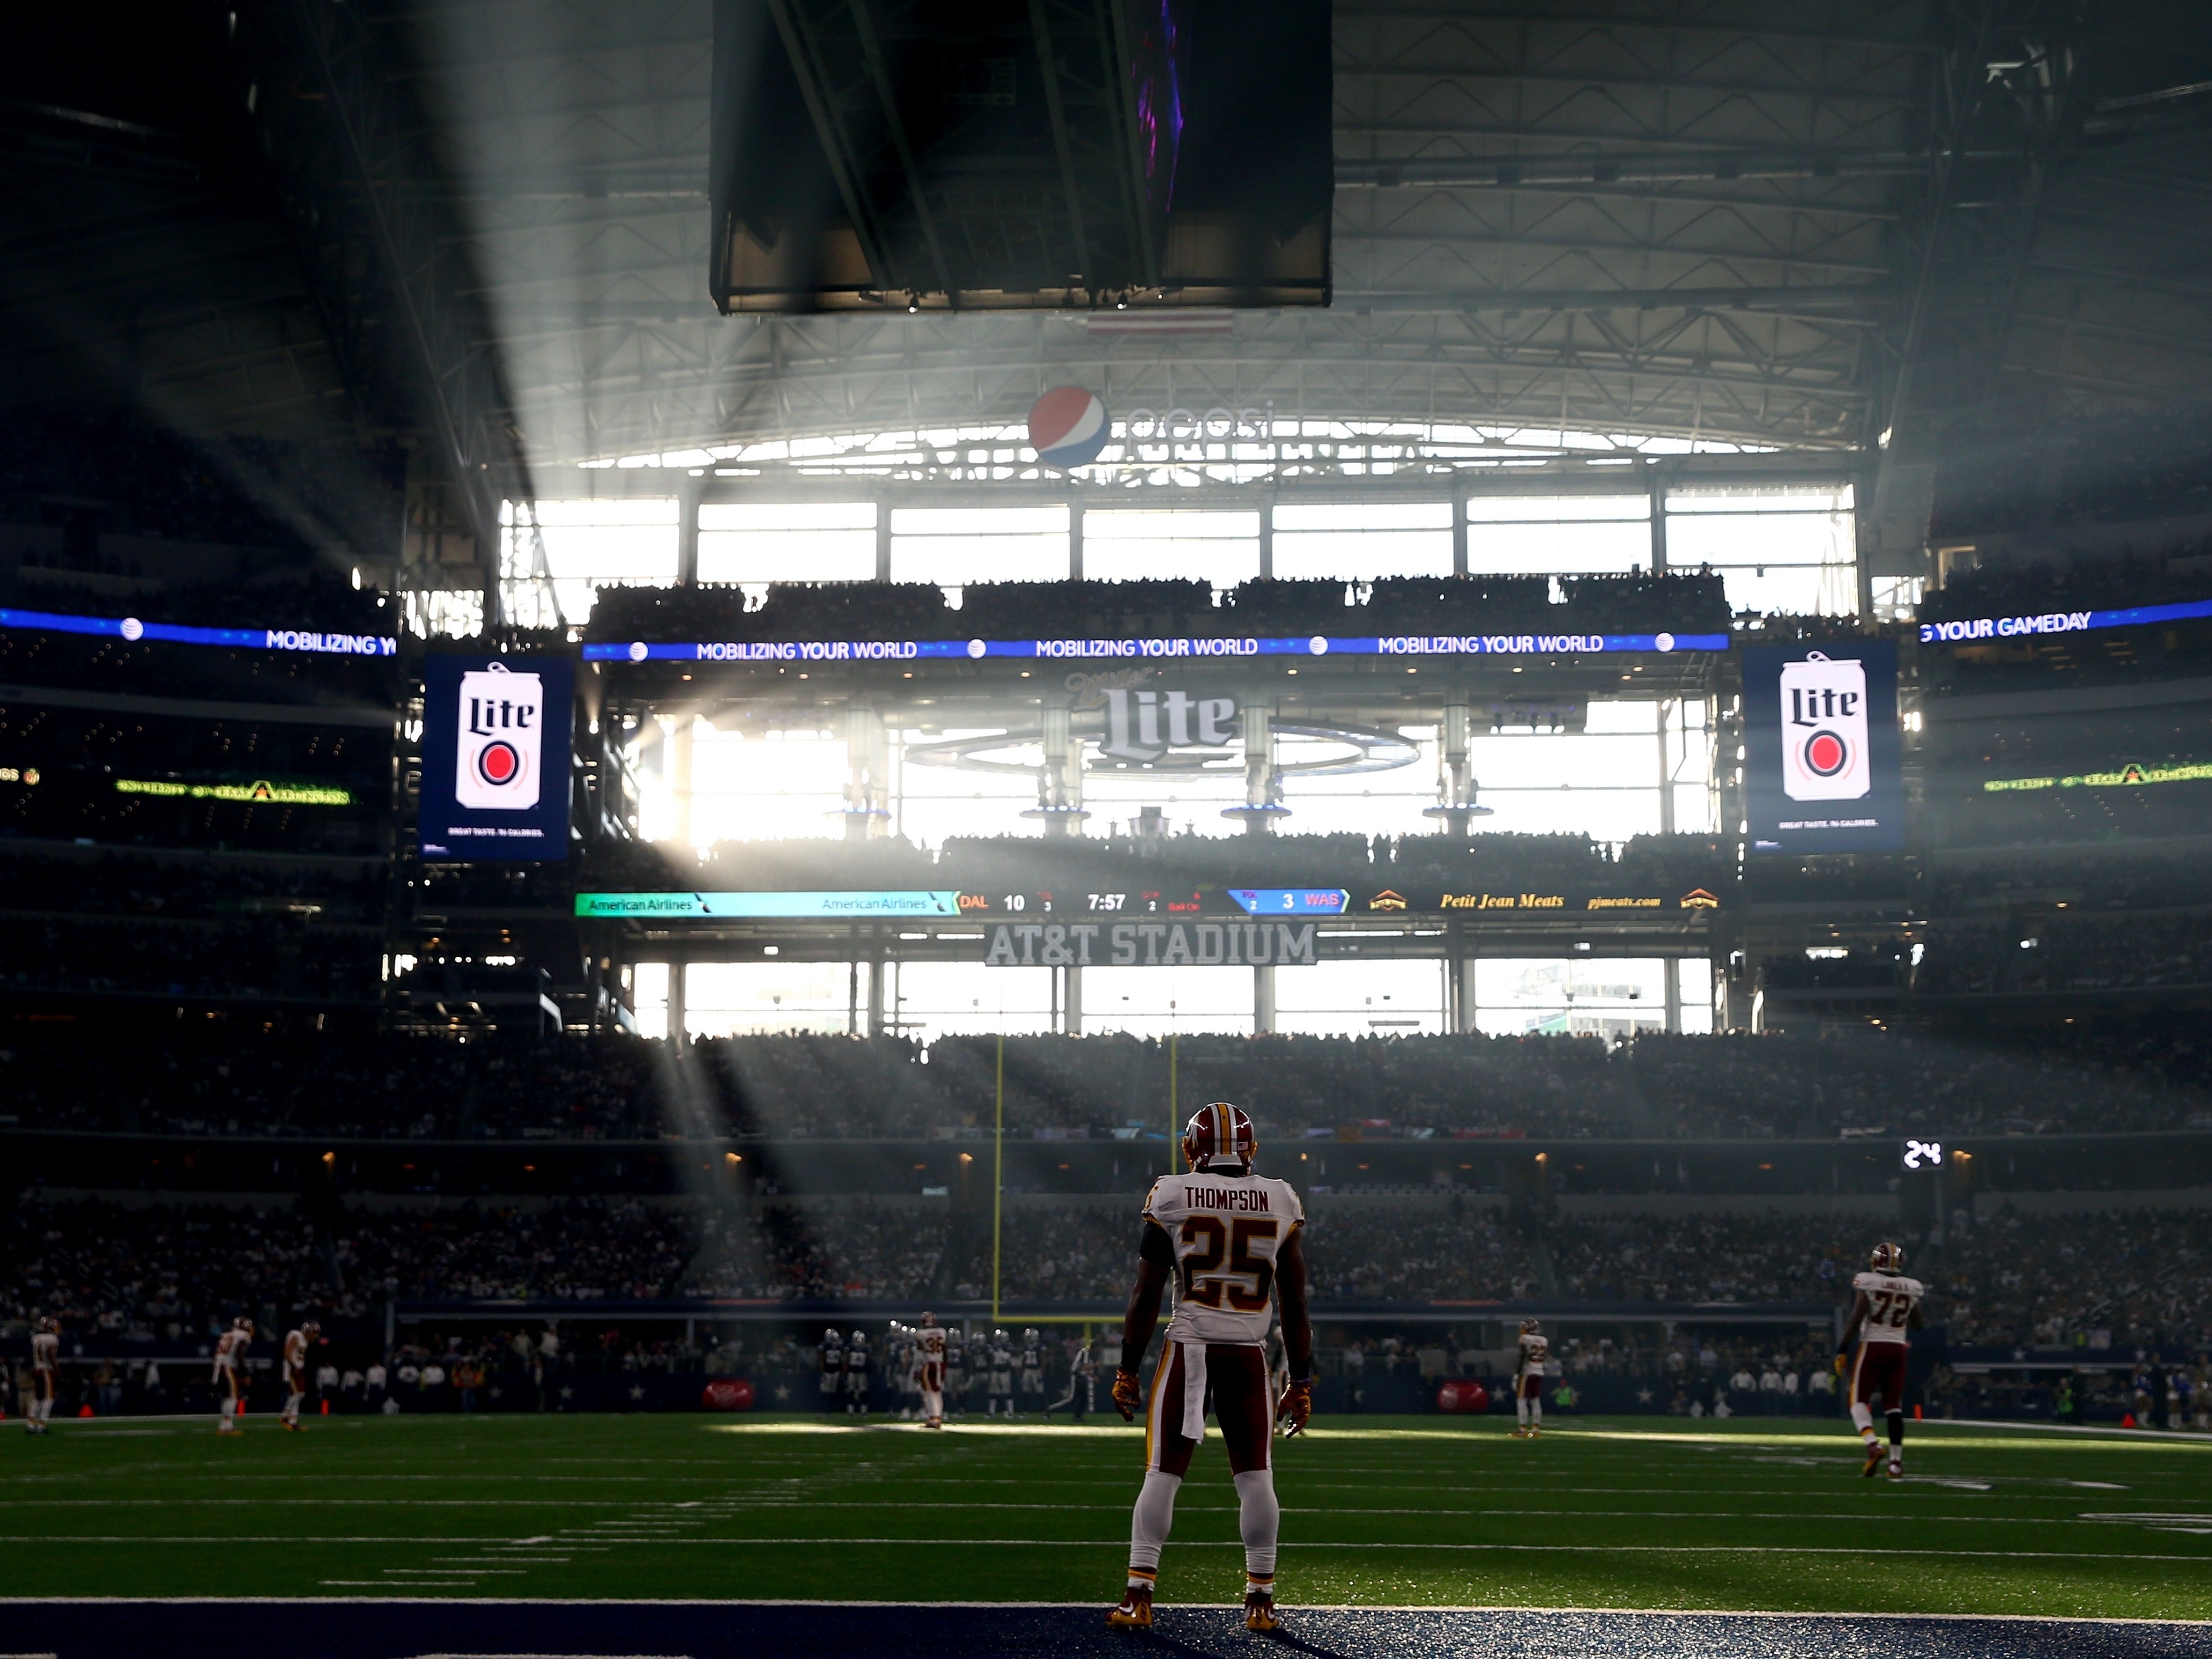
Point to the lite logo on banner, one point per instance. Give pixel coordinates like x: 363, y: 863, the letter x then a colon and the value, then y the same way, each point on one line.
x: 1142, y: 726
x: 1823, y: 724
x: 499, y: 760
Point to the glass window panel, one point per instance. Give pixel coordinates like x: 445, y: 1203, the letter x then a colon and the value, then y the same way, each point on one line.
x: 949, y: 998
x: 1597, y: 996
x: 1221, y: 548
x: 1559, y: 509
x: 1697, y: 982
x: 1360, y: 999
x: 593, y: 544
x: 778, y: 786
x: 1567, y: 548
x: 1808, y: 498
x: 787, y: 542
x: 1618, y: 715
x: 954, y: 546
x: 720, y: 998
x: 1381, y: 515
x: 1362, y: 554
x: 648, y: 998
x: 1157, y: 1001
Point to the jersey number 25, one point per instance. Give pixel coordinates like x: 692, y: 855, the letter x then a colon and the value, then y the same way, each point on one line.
x: 1206, y: 1242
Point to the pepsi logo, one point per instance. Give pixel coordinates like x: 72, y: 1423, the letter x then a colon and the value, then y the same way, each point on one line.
x: 498, y: 763
x: 1068, y: 427
x: 1826, y: 754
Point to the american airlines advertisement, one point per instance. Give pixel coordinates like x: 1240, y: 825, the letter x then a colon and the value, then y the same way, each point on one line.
x: 1821, y: 748
x: 495, y: 758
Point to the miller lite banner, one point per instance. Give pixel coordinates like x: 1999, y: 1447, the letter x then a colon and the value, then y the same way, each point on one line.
x: 495, y: 734
x: 1821, y: 768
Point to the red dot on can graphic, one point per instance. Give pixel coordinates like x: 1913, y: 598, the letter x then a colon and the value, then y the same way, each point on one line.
x: 1826, y: 754
x: 498, y: 763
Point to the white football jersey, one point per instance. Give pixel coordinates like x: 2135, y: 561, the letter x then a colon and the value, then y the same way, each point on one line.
x: 929, y: 1342
x: 1891, y: 1299
x: 1535, y: 1352
x: 230, y: 1347
x: 45, y: 1350
x: 295, y: 1351
x: 1227, y: 1232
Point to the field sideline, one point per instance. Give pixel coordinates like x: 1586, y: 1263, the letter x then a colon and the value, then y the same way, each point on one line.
x: 1632, y: 1513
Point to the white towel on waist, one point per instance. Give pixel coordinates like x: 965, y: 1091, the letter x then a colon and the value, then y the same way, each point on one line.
x: 1194, y: 1390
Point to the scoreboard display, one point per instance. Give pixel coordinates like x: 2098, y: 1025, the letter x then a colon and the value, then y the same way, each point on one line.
x: 1082, y: 901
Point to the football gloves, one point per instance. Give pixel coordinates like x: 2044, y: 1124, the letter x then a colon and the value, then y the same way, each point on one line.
x: 1296, y: 1404
x: 1843, y: 1358
x: 1129, y: 1393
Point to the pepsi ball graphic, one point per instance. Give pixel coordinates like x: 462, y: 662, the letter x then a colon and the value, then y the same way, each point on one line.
x: 1068, y: 427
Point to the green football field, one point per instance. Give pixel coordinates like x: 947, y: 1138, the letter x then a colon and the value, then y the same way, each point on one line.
x: 1628, y: 1513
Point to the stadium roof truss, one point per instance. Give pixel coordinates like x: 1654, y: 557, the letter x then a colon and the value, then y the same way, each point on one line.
x: 1724, y: 224
x: 1639, y: 219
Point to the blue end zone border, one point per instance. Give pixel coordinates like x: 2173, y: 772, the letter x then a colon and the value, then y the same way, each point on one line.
x: 491, y: 1629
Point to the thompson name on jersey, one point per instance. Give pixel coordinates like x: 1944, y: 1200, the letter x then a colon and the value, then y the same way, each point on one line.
x: 1222, y: 1232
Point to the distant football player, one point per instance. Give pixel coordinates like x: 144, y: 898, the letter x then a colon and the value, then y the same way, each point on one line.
x: 1885, y: 1312
x: 1002, y: 1376
x: 929, y: 1347
x: 297, y: 1345
x: 833, y: 1369
x: 1528, y: 1382
x: 956, y: 1368
x: 45, y: 1374
x: 1230, y: 1240
x: 1032, y: 1368
x: 229, y: 1374
x: 856, y: 1375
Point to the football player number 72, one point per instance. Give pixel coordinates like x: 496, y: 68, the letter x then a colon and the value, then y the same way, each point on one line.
x: 1206, y: 1279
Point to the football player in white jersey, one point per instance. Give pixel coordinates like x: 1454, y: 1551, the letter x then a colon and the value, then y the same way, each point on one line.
x: 1885, y: 1312
x: 1528, y: 1382
x: 45, y: 1373
x: 297, y: 1344
x: 229, y: 1374
x: 929, y: 1347
x: 1230, y: 1240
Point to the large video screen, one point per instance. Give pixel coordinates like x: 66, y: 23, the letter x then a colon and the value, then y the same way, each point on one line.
x: 495, y: 738
x: 1822, y: 773
x: 991, y: 154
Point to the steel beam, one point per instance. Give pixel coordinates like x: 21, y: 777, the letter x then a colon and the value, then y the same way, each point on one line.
x: 384, y: 265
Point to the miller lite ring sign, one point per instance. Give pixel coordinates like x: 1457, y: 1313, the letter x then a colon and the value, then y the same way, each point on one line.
x: 499, y: 760
x: 1068, y: 427
x: 1824, y: 730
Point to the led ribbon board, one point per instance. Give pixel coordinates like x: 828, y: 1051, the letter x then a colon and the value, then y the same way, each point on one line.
x: 753, y: 907
x: 1290, y: 901
x: 236, y: 639
x: 2058, y: 622
x: 1316, y: 645
x: 261, y: 791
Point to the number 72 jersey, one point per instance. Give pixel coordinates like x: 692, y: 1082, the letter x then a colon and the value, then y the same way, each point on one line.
x: 1226, y: 1232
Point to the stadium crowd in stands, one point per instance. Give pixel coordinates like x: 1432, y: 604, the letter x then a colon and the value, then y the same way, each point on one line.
x: 2118, y: 1280
x: 1681, y: 602
x: 2147, y: 1071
